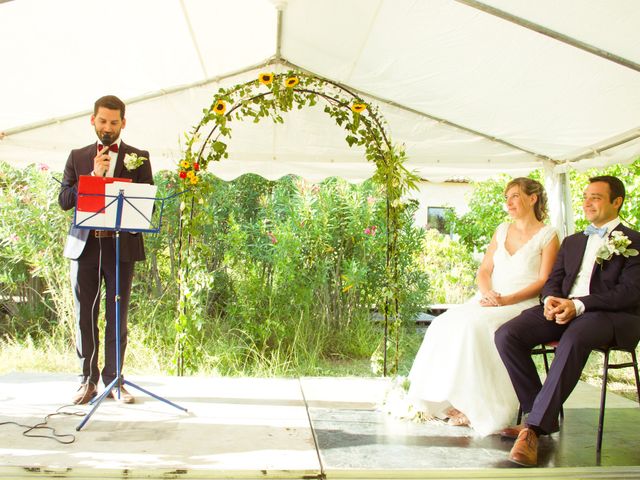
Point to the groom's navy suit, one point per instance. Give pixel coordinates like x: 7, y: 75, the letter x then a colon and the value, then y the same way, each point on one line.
x: 93, y: 259
x: 611, y: 317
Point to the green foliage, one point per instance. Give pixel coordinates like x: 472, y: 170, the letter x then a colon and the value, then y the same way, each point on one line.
x: 268, y: 96
x: 450, y: 267
x: 486, y: 211
x: 284, y: 276
x: 271, y: 257
x: 32, y: 269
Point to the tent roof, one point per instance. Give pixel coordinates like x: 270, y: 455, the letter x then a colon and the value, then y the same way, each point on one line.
x: 469, y: 87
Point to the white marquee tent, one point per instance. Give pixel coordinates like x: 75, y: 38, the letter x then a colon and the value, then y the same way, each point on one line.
x: 470, y: 87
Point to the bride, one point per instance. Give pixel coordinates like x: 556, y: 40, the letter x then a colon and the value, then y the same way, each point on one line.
x: 457, y: 373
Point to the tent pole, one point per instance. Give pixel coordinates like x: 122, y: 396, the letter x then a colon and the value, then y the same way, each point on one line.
x: 278, y: 54
x: 559, y: 195
x: 612, y: 57
x: 569, y: 219
x: 192, y: 34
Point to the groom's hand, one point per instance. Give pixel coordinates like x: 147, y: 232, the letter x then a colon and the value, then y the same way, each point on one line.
x: 567, y: 312
x: 550, y: 308
x: 559, y: 310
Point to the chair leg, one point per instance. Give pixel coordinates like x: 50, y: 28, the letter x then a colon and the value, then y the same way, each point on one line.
x: 603, y: 397
x: 635, y: 371
x: 545, y: 359
x: 546, y: 370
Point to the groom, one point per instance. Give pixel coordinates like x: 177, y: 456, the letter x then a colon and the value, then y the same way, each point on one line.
x: 588, y: 302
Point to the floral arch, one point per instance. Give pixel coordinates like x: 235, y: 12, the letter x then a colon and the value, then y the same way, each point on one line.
x: 268, y: 96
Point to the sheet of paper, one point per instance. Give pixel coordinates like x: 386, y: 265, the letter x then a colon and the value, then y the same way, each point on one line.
x: 91, y: 200
x: 137, y: 207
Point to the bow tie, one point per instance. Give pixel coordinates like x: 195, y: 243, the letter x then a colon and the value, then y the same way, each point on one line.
x: 591, y: 230
x: 113, y: 147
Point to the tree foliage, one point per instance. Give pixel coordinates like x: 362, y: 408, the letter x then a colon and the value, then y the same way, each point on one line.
x: 486, y: 211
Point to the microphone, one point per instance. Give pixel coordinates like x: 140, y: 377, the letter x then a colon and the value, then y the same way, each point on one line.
x: 106, y: 141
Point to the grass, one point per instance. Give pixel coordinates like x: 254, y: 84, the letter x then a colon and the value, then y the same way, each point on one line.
x: 226, y: 355
x: 222, y: 350
x: 621, y: 381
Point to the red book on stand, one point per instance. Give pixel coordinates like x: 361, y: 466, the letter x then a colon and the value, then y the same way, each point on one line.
x: 90, y: 189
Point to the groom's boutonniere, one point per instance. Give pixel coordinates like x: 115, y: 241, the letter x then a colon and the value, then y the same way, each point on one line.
x: 133, y: 161
x: 616, y: 244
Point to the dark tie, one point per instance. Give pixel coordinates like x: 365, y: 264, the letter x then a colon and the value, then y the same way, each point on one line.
x: 113, y: 147
x: 592, y: 230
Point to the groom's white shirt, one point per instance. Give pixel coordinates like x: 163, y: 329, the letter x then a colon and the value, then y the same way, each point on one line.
x: 581, y: 285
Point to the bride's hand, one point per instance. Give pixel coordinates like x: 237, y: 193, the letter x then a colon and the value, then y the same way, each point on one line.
x: 491, y: 299
x: 485, y: 303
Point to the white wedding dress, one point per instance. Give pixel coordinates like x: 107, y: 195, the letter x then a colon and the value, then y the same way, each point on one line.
x: 458, y: 364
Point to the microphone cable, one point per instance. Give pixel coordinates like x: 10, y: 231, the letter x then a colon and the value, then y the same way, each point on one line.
x: 63, y: 438
x: 96, y: 299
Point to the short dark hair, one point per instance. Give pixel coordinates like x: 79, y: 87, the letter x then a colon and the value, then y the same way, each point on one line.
x: 111, y: 102
x: 616, y: 187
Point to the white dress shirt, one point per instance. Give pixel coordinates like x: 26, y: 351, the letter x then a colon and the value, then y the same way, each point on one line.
x: 581, y: 285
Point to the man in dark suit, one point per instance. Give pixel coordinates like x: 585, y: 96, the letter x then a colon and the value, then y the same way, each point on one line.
x: 589, y: 301
x: 92, y: 252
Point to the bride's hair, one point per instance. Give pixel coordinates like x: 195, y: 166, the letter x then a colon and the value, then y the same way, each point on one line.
x: 530, y: 186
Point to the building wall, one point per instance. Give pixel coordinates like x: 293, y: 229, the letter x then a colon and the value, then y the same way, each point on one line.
x: 440, y: 194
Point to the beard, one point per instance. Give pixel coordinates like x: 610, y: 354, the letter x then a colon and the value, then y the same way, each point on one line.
x: 113, y: 136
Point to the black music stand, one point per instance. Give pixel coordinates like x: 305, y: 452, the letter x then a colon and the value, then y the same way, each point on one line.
x: 121, y: 200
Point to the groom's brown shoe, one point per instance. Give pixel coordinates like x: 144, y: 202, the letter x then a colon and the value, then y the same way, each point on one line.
x: 85, y: 393
x: 525, y: 450
x: 512, y: 432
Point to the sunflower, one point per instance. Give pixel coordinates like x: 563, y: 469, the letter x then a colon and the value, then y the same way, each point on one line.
x: 191, y: 174
x: 184, y: 164
x: 358, y: 107
x: 220, y: 107
x: 291, y: 82
x: 265, y: 78
x: 193, y: 180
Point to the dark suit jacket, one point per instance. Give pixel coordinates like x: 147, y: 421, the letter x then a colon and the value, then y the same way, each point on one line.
x: 80, y: 162
x: 614, y: 286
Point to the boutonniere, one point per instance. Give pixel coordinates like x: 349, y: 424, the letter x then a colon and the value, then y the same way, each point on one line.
x: 133, y: 161
x: 616, y: 244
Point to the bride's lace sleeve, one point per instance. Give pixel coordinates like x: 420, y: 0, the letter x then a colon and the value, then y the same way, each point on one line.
x: 548, y: 235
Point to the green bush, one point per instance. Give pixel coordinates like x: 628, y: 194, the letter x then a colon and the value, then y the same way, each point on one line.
x: 34, y: 276
x: 284, y: 276
x: 292, y: 268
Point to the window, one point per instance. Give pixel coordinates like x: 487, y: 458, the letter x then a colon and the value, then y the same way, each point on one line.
x: 435, y: 219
